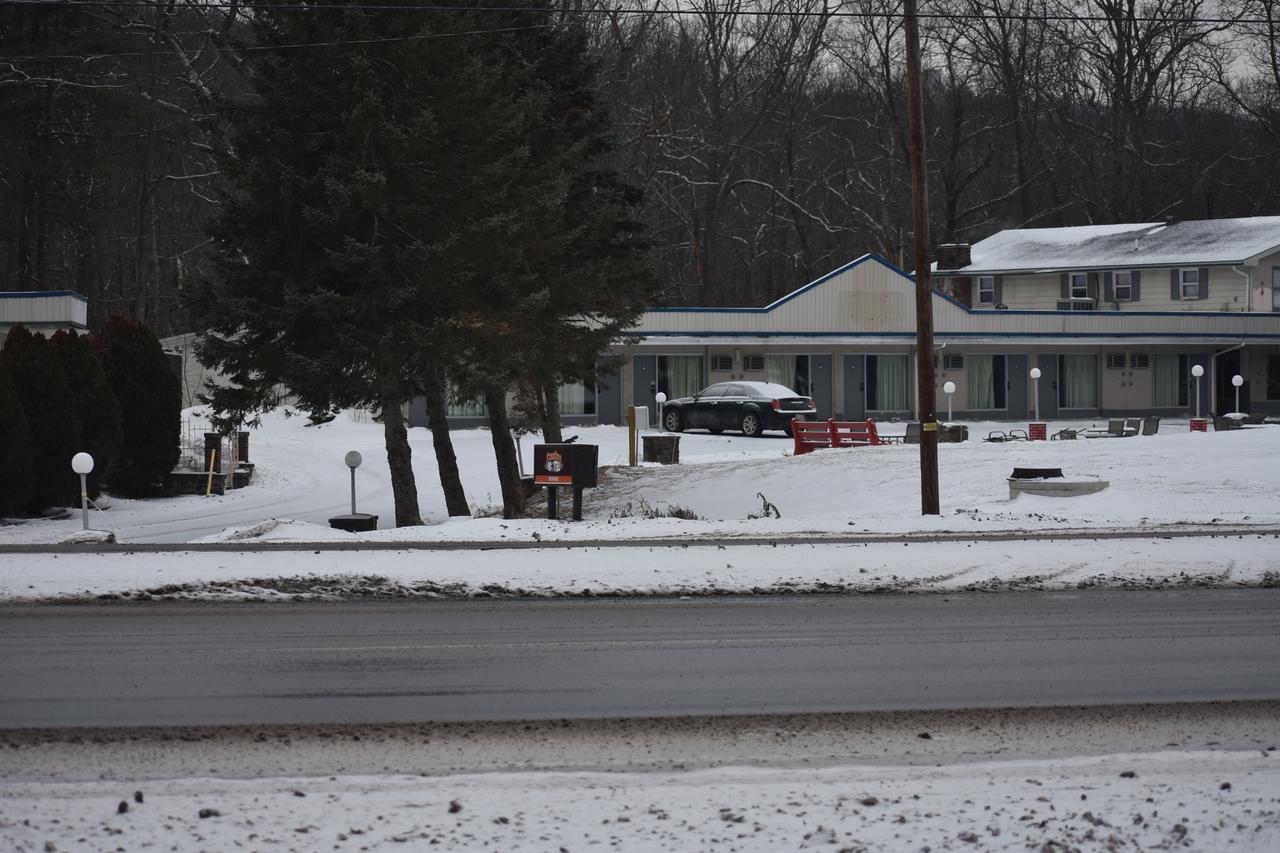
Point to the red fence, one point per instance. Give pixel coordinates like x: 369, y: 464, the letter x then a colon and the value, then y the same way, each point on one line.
x: 811, y: 435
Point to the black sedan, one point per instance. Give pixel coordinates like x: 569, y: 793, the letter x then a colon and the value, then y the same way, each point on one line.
x: 752, y: 407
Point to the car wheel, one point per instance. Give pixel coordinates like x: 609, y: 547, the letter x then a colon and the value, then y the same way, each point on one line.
x: 672, y: 421
x: 751, y: 425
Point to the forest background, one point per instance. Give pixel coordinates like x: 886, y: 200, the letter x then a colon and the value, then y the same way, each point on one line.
x: 769, y: 137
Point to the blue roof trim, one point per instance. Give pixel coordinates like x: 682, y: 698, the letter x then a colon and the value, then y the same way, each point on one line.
x: 1275, y: 336
x: 37, y: 294
x: 1109, y: 312
x: 869, y: 256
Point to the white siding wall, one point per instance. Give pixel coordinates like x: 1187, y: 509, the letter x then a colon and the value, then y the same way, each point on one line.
x: 39, y: 308
x: 1227, y: 292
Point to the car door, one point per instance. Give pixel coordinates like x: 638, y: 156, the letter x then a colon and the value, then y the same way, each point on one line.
x: 730, y: 411
x: 700, y: 412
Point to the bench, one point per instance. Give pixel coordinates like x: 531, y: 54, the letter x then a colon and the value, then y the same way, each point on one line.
x: 813, y: 435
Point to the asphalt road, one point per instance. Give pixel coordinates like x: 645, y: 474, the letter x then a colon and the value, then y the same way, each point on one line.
x: 365, y: 662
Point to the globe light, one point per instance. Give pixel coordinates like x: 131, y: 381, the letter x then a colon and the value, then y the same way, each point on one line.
x: 353, y: 459
x: 82, y: 463
x: 1035, y: 373
x: 1197, y: 370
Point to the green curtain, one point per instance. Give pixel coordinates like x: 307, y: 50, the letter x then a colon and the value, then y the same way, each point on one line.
x: 980, y: 377
x: 781, y: 369
x: 573, y: 398
x: 684, y: 375
x: 891, y: 383
x: 1164, y: 380
x: 463, y: 408
x: 1079, y: 382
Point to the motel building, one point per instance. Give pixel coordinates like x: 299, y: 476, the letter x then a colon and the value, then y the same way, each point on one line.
x: 1114, y: 316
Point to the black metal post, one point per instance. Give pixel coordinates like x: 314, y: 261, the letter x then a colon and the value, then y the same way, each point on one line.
x: 577, y: 503
x: 553, y: 500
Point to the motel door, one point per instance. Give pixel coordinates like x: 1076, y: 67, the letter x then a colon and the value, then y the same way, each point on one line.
x: 609, y: 392
x: 1017, y: 385
x: 1048, y: 365
x: 820, y: 385
x: 855, y: 388
x: 645, y: 383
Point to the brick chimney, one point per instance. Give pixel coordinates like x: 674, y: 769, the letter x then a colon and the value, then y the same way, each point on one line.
x: 953, y: 256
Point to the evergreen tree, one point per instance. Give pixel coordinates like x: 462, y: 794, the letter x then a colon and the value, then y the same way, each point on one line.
x: 52, y: 419
x: 101, y: 429
x: 369, y: 174
x: 149, y: 397
x: 15, y: 447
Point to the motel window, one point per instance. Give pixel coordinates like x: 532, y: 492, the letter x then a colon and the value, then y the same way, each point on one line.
x: 721, y: 363
x: 680, y: 375
x: 1169, y: 380
x: 1275, y: 288
x: 985, y: 380
x: 793, y: 371
x: 1140, y: 361
x: 953, y: 362
x: 986, y: 290
x: 577, y: 398
x: 460, y: 407
x: 753, y: 362
x: 1079, y: 285
x: 1122, y: 287
x: 887, y: 383
x: 1115, y: 361
x: 1189, y: 283
x: 1078, y: 381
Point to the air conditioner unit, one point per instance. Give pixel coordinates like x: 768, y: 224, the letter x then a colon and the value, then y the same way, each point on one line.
x: 1077, y: 303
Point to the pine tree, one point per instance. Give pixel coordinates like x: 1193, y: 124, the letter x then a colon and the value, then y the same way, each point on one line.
x: 369, y: 176
x: 52, y: 419
x: 101, y: 429
x: 149, y: 396
x: 15, y: 447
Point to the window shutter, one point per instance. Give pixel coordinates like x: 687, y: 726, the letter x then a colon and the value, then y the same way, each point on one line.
x: 1109, y: 287
x: 1175, y: 289
x: 1066, y: 286
x: 1135, y: 282
x: 1091, y: 286
x: 999, y: 289
x: 1204, y: 283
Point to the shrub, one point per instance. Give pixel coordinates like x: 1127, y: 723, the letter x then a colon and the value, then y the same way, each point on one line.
x: 52, y: 420
x: 150, y: 399
x: 15, y: 447
x: 101, y: 433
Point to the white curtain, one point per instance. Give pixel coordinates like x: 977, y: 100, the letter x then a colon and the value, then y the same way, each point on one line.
x: 780, y: 369
x: 684, y: 375
x: 573, y: 399
x: 1079, y: 382
x: 980, y: 378
x: 1165, y: 377
x: 891, y: 383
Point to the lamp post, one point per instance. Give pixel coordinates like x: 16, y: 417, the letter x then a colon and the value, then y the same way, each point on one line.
x: 1237, y: 381
x: 949, y: 388
x: 353, y: 460
x: 1035, y: 389
x: 82, y: 464
x: 659, y: 399
x: 1197, y: 370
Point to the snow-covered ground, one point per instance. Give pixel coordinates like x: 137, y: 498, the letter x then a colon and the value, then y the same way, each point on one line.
x: 1175, y: 482
x: 1192, y: 778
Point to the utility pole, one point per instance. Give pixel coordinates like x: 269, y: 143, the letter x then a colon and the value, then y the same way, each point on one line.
x: 924, y: 295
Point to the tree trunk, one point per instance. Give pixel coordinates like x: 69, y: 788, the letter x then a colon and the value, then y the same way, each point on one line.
x: 400, y: 459
x: 504, y: 450
x: 552, y: 429
x: 455, y: 498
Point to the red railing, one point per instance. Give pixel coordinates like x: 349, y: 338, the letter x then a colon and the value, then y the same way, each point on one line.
x: 811, y: 435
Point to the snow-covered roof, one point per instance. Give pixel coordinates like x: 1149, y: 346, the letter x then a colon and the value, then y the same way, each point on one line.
x: 1209, y: 242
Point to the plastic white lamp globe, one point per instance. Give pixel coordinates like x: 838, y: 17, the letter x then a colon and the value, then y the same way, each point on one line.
x: 949, y: 387
x: 1237, y: 380
x: 353, y: 459
x: 1197, y: 370
x: 82, y: 463
x: 1035, y: 373
x: 660, y: 398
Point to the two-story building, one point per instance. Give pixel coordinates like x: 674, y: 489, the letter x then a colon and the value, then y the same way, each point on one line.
x: 1113, y: 316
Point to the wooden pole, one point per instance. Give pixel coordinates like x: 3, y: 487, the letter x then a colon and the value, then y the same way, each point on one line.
x: 924, y: 296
